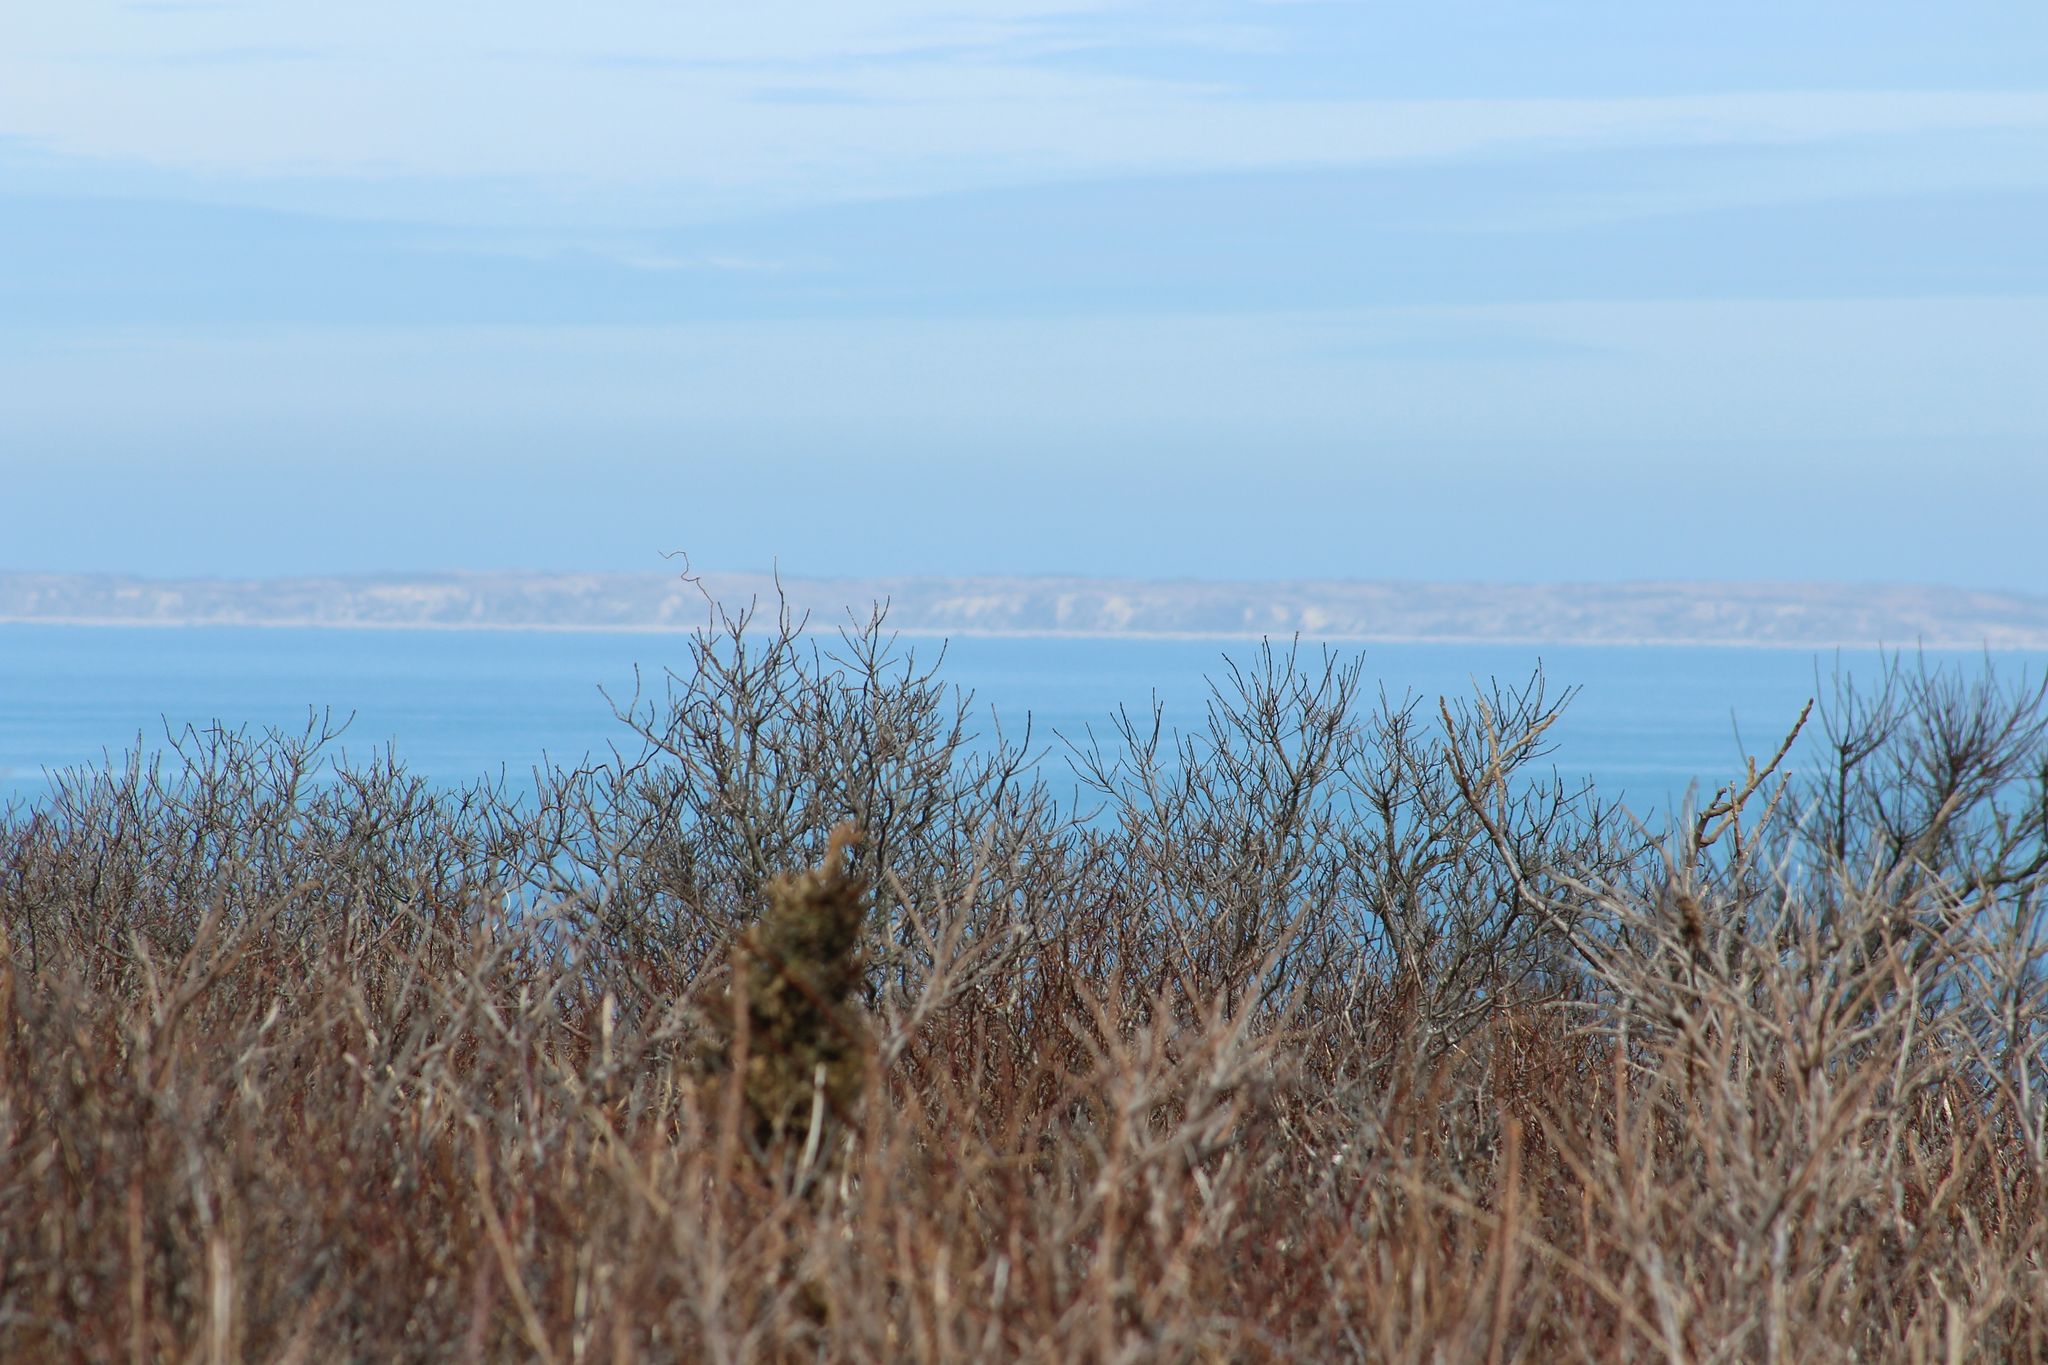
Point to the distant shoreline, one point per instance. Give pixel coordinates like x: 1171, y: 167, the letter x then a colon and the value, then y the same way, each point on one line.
x: 1738, y: 615
x: 983, y: 633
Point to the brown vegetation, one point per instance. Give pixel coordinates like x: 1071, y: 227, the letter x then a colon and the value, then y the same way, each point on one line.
x: 1337, y: 1030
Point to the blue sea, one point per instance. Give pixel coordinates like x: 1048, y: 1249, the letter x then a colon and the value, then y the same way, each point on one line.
x: 458, y: 705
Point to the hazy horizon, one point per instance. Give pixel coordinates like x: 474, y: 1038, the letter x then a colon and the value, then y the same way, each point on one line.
x: 1459, y: 292
x: 678, y: 567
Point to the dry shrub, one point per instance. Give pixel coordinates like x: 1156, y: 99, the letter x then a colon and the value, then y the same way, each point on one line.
x: 1335, y: 1030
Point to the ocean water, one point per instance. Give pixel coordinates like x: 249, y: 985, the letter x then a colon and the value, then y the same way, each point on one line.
x: 457, y: 705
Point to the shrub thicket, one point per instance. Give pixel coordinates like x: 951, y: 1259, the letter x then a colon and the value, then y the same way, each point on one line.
x: 1338, y: 1028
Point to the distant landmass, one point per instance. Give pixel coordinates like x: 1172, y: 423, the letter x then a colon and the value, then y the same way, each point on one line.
x: 1780, y: 614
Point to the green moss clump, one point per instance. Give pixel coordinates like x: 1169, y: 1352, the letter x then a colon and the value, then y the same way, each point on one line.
x: 797, y: 971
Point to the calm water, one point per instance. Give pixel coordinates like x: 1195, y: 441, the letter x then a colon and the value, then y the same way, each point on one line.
x: 457, y: 705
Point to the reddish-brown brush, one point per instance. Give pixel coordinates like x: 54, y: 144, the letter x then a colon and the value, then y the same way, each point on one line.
x: 1334, y: 1031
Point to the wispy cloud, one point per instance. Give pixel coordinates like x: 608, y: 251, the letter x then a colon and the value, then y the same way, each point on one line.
x: 753, y: 107
x: 761, y: 138
x: 264, y: 54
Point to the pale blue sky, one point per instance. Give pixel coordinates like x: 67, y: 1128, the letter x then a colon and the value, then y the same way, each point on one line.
x: 1447, y: 289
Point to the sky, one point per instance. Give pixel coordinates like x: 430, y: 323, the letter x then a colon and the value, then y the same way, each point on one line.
x: 1452, y: 289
